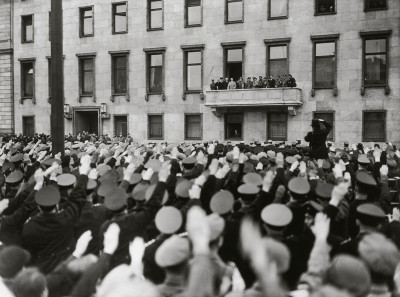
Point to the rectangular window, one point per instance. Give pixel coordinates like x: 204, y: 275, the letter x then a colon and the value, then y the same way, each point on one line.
x: 49, y: 80
x: 233, y: 11
x: 28, y: 126
x: 193, y: 70
x: 86, y: 76
x: 155, y: 14
x: 277, y: 60
x: 328, y: 117
x: 86, y: 21
x: 155, y: 126
x: 375, y: 4
x: 324, y: 64
x: 119, y: 17
x: 121, y: 125
x: 119, y: 74
x: 155, y: 71
x: 27, y: 79
x: 233, y: 62
x: 234, y: 126
x: 27, y: 28
x: 49, y: 25
x: 374, y: 126
x: 325, y: 6
x: 277, y: 126
x: 193, y: 127
x: 278, y: 9
x: 193, y: 13
x: 375, y: 60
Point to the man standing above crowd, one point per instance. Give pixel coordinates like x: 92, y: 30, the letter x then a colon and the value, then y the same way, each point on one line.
x: 317, y: 138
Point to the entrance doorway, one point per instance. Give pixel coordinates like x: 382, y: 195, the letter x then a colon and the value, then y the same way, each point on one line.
x: 86, y: 120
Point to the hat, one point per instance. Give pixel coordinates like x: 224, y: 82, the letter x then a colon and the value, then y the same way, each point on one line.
x: 349, y: 273
x: 299, y: 186
x: 103, y: 168
x: 326, y: 164
x: 222, y: 202
x: 248, y: 167
x: 47, y: 196
x: 135, y: 179
x: 66, y: 180
x: 290, y: 159
x: 14, y: 177
x: 173, y: 251
x: 168, y: 220
x: 216, y: 225
x: 91, y: 185
x: 365, y: 179
x: 139, y: 191
x: 150, y: 190
x: 363, y: 160
x: 253, y: 178
x: 16, y: 157
x: 182, y: 188
x: 8, y: 165
x: 50, y: 161
x: 105, y: 185
x: 324, y: 190
x: 189, y: 161
x: 276, y: 215
x: 115, y: 198
x: 248, y: 189
x: 154, y: 164
x: 278, y: 253
x: 12, y: 259
x: 370, y: 214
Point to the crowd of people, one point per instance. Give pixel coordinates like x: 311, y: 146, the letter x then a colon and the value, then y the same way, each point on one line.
x: 286, y: 81
x: 119, y: 218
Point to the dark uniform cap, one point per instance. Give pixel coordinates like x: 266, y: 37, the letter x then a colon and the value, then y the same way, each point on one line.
x: 363, y: 160
x: 92, y: 184
x: 154, y: 164
x: 182, y: 189
x: 189, y: 161
x: 139, y: 191
x: 248, y: 189
x: 370, y: 210
x: 173, y: 251
x: 12, y: 260
x: 105, y: 186
x: 168, y: 220
x: 115, y: 198
x: 50, y: 162
x: 365, y: 179
x: 290, y: 159
x: 277, y: 215
x: 299, y: 186
x: 253, y: 178
x: 8, y: 165
x: 110, y: 175
x: 14, y: 177
x: 324, y: 190
x: 47, y: 196
x: 135, y: 179
x: 222, y: 202
x: 16, y: 157
x: 150, y: 190
x: 66, y: 180
x: 103, y: 168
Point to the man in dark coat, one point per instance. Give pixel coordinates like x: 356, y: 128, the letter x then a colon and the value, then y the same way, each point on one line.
x: 317, y: 138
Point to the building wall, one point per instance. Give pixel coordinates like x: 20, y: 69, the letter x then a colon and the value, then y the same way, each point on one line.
x: 349, y: 20
x: 6, y: 56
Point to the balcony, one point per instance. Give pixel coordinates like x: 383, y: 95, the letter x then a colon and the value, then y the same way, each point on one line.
x: 254, y: 98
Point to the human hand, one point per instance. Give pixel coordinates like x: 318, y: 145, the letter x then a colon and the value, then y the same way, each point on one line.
x: 320, y: 163
x: 279, y: 160
x: 321, y: 227
x: 213, y: 166
x: 294, y: 166
x: 236, y: 153
x: 211, y: 149
x: 194, y: 192
x: 198, y: 230
x: 111, y: 239
x: 39, y: 179
x: 384, y: 170
x: 3, y: 205
x: 93, y: 174
x: 136, y: 251
x: 84, y: 168
x: 200, y: 180
x: 164, y: 172
x: 128, y: 171
x: 337, y: 171
x: 82, y: 243
x: 338, y: 194
x: 242, y: 158
x: 395, y: 215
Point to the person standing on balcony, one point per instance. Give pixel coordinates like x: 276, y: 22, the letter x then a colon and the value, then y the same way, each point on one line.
x: 213, y: 85
x: 317, y: 138
x: 231, y: 84
x: 278, y: 82
x: 249, y: 83
x: 240, y: 83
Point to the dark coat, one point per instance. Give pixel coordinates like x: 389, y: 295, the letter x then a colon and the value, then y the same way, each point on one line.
x: 317, y: 141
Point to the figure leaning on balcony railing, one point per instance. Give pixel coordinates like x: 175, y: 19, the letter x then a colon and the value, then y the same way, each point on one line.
x: 317, y: 138
x: 231, y: 84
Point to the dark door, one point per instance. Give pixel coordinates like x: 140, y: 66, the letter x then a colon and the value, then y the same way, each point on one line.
x: 121, y: 125
x: 86, y: 120
x: 28, y: 126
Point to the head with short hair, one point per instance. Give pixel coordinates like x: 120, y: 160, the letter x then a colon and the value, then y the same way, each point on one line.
x: 30, y: 283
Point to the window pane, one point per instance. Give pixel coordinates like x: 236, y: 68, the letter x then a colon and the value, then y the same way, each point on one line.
x: 375, y: 69
x: 325, y: 6
x: 121, y: 8
x: 235, y: 55
x: 156, y: 79
x: 194, y: 77
x: 156, y: 60
x: 235, y: 10
x: 375, y: 46
x: 278, y: 67
x: 193, y: 2
x: 120, y: 23
x: 155, y: 126
x: 87, y: 26
x: 325, y: 49
x: 278, y: 52
x: 87, y: 64
x: 278, y: 8
x: 121, y: 125
x: 88, y: 13
x: 28, y: 28
x: 156, y: 19
x: 374, y: 126
x: 194, y: 15
x: 193, y: 126
x: 373, y: 4
x: 27, y: 69
x: 374, y: 116
x: 194, y: 57
x: 120, y: 62
x: 156, y: 4
x: 324, y: 72
x: 120, y: 81
x: 277, y: 126
x: 87, y: 87
x: 234, y: 118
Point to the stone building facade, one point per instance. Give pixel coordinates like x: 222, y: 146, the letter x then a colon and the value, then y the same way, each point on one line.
x: 344, y: 54
x: 6, y: 68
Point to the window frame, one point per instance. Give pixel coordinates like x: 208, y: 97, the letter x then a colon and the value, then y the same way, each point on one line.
x: 49, y: 25
x: 364, y: 139
x: 80, y: 76
x: 186, y: 126
x: 324, y: 39
x: 226, y: 123
x: 149, y: 10
x: 278, y: 17
x: 371, y: 35
x: 22, y: 79
x: 149, y: 52
x: 149, y: 115
x: 227, y: 21
x: 81, y: 21
x: 127, y: 123
x: 316, y: 13
x: 187, y: 49
x: 186, y: 17
x: 269, y: 125
x: 23, y: 29
x: 114, y: 13
x: 276, y: 42
x: 317, y: 112
x: 113, y: 55
x: 232, y: 46
x: 366, y: 9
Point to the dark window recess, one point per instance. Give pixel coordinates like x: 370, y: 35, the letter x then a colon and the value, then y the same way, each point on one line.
x: 375, y: 59
x: 155, y: 126
x: 234, y: 11
x: 328, y: 117
x: 277, y: 126
x: 86, y: 21
x: 325, y: 6
x: 87, y: 76
x: 120, y: 21
x: 121, y: 125
x: 28, y: 126
x: 375, y: 4
x: 156, y: 73
x: 120, y: 71
x: 374, y: 126
x: 193, y: 12
x: 27, y: 77
x: 234, y: 126
x: 193, y: 71
x: 325, y: 64
x: 277, y: 60
x: 155, y: 14
x: 234, y: 63
x: 27, y: 28
x: 193, y: 126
